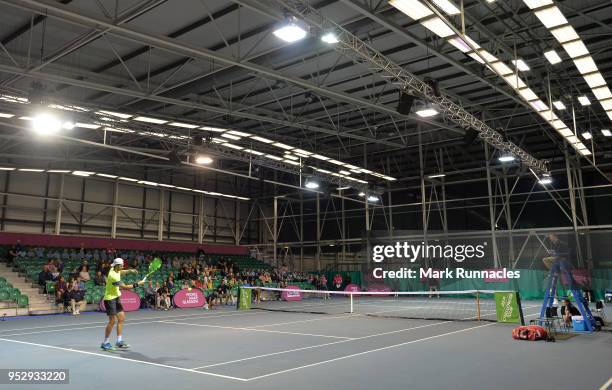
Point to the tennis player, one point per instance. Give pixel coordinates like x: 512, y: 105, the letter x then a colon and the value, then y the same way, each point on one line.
x: 114, y: 310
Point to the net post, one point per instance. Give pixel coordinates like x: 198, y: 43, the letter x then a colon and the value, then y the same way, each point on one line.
x: 520, y: 307
x: 477, y: 305
x: 351, y: 296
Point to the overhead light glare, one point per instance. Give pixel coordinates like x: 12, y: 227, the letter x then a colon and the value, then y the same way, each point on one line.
x: 150, y: 120
x: 82, y: 173
x: 46, y: 124
x: 183, y: 125
x: 330, y: 38
x: 203, y: 159
x: 413, y: 8
x: 290, y: 32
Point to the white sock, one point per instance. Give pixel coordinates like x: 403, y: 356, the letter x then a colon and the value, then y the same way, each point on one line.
x: 107, y: 340
x: 119, y: 338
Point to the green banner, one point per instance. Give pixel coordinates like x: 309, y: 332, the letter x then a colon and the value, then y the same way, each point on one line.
x: 507, y: 307
x: 244, y: 299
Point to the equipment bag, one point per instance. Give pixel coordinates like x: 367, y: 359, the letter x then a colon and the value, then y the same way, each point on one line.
x: 530, y: 332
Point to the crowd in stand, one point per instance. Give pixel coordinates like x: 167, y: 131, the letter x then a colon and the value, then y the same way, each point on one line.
x: 194, y: 272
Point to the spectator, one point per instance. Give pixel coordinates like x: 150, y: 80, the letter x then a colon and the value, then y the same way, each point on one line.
x: 77, y: 298
x: 163, y: 296
x: 58, y: 264
x: 157, y: 297
x: 53, y: 269
x: 170, y: 282
x: 150, y: 295
x: 45, y: 276
x: 65, y: 255
x: 223, y: 293
x: 12, y: 253
x: 81, y: 253
x: 84, y: 273
x: 567, y: 311
x: 100, y: 279
x: 60, y: 289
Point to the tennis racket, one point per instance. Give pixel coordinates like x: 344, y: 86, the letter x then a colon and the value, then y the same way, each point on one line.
x: 154, y: 266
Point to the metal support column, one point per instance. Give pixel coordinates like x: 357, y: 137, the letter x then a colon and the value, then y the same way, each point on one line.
x: 572, y: 197
x: 301, y: 232
x: 160, y: 225
x: 508, y: 221
x: 343, y: 216
x: 114, y: 211
x: 275, y: 231
x: 491, y: 211
x: 60, y: 204
x: 201, y: 220
x: 585, y: 216
x: 237, y: 222
x: 318, y: 253
x: 423, y: 193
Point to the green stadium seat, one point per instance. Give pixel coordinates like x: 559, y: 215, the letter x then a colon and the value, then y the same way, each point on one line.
x: 23, y: 301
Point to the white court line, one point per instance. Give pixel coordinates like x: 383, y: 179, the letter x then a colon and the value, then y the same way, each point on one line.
x: 195, y: 315
x: 606, y: 385
x: 125, y: 359
x: 103, y: 324
x: 255, y: 330
x: 321, y: 345
x: 135, y: 319
x: 335, y: 342
x: 367, y: 352
x: 347, y: 315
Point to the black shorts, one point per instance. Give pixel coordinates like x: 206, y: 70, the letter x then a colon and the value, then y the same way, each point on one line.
x: 113, y: 307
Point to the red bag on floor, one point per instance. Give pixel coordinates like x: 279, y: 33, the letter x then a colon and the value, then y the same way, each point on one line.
x: 530, y: 332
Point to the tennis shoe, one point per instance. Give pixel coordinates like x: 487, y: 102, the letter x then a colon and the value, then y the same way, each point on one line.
x: 107, y: 346
x: 122, y: 344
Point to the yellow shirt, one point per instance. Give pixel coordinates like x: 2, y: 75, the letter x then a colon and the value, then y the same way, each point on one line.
x: 112, y: 290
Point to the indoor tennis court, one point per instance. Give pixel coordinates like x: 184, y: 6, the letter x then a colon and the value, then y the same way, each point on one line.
x: 260, y: 349
x: 306, y: 194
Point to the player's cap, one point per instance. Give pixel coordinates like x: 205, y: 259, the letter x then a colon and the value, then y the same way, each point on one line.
x: 117, y: 261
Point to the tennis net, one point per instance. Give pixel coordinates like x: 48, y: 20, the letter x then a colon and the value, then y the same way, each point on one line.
x: 468, y: 305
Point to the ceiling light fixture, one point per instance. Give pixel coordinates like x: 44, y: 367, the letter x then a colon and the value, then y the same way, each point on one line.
x: 552, y: 57
x: 559, y: 105
x: 290, y: 31
x: 203, y: 159
x: 584, y: 100
x: 330, y: 38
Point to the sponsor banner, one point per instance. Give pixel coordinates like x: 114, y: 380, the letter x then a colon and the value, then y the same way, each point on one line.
x: 189, y: 297
x: 129, y: 300
x: 379, y: 287
x: 352, y: 288
x: 496, y: 280
x: 291, y: 295
x: 506, y: 307
x: 244, y: 298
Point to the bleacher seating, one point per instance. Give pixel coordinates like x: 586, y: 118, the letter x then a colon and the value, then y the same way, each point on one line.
x: 30, y: 267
